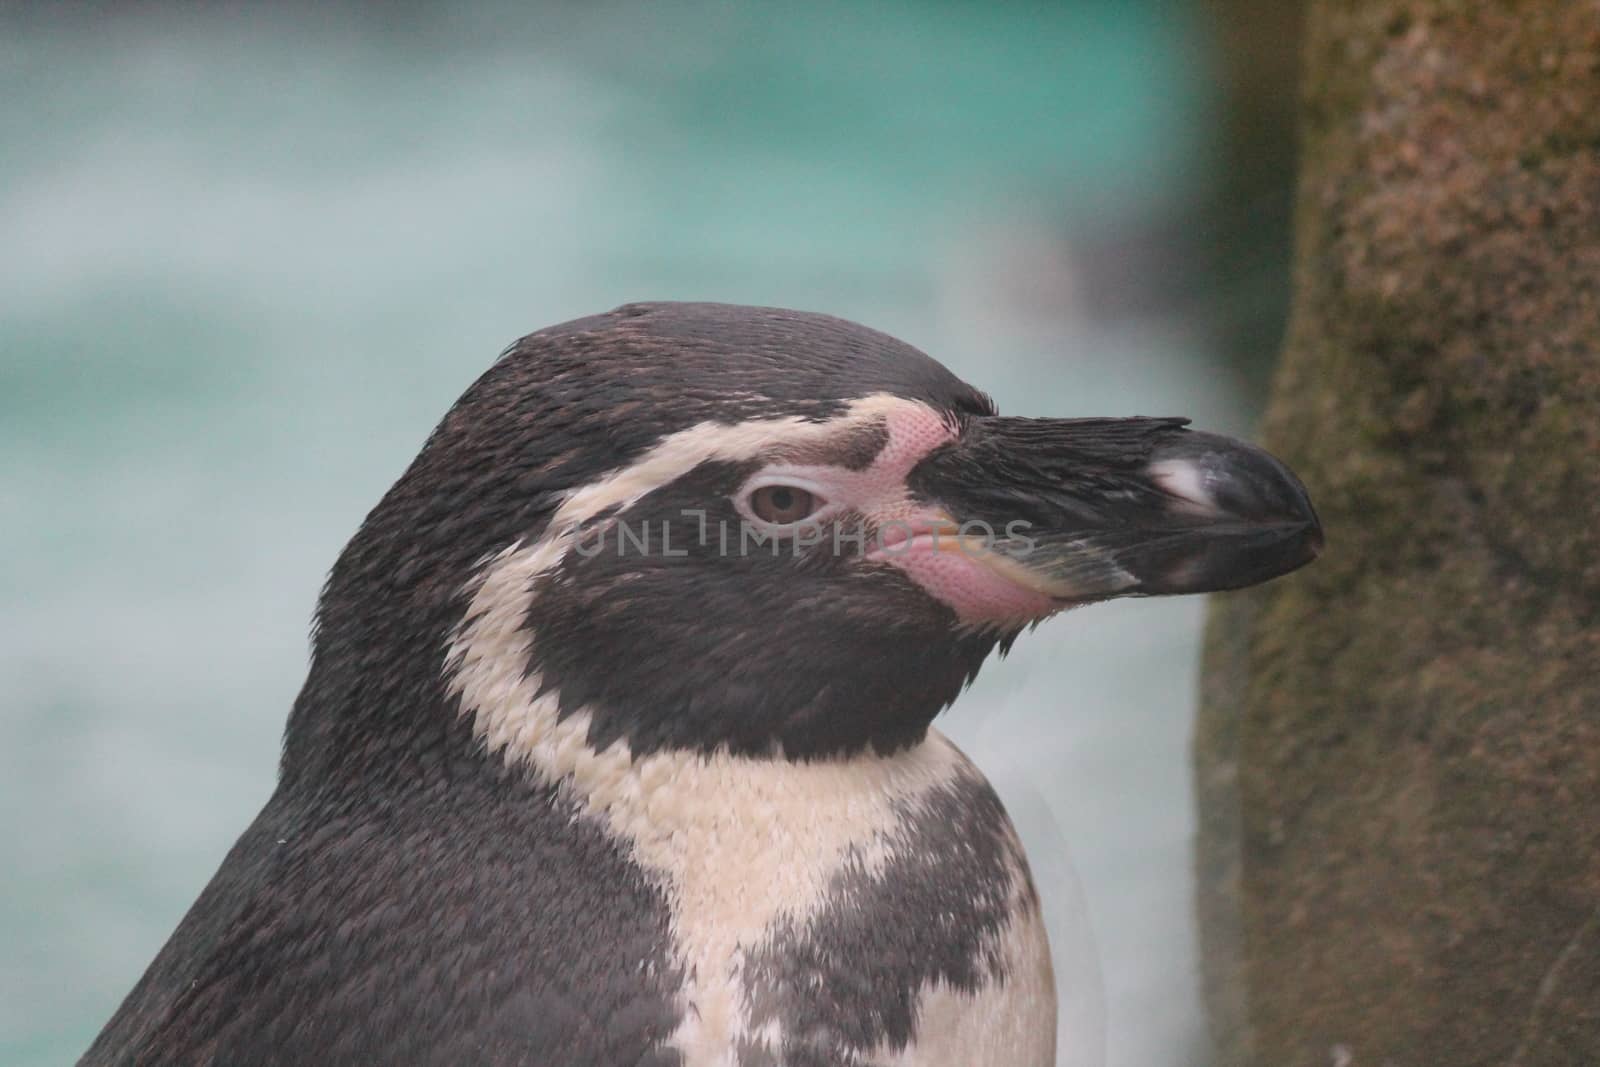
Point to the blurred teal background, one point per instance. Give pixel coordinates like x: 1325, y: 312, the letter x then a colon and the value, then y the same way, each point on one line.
x: 250, y: 259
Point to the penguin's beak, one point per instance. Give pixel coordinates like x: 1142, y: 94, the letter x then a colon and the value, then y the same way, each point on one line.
x: 1087, y: 509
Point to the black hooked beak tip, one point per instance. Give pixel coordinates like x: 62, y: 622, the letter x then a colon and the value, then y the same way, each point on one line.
x: 1253, y: 518
x: 1098, y: 508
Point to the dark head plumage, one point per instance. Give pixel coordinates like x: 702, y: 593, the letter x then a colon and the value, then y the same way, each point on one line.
x: 584, y: 773
x: 685, y: 644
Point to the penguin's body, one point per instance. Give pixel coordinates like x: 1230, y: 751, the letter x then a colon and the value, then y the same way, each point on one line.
x: 615, y: 747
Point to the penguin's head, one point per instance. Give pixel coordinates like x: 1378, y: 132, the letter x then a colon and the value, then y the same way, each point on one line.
x: 705, y: 527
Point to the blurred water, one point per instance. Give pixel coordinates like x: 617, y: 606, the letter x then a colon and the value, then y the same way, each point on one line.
x: 250, y: 260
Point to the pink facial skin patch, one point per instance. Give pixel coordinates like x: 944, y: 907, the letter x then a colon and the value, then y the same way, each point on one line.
x: 982, y: 588
x: 959, y: 573
x: 954, y: 570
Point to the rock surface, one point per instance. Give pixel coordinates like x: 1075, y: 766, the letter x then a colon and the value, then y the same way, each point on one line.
x: 1398, y: 755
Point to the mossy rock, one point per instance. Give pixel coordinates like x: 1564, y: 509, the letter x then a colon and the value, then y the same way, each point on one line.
x: 1398, y: 753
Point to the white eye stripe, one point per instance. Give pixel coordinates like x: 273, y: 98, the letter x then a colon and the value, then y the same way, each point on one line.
x: 679, y: 453
x: 916, y: 426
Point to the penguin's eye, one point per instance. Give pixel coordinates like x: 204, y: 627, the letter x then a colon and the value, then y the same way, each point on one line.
x: 783, y: 505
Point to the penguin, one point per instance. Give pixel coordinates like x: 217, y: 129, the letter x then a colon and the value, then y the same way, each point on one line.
x: 616, y: 745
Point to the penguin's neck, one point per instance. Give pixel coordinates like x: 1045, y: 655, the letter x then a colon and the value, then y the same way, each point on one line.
x: 740, y: 843
x: 719, y: 808
x: 744, y: 850
x: 752, y: 835
x: 493, y: 677
x: 736, y: 841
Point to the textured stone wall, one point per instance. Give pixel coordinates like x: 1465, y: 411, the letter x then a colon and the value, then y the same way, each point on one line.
x: 1398, y: 756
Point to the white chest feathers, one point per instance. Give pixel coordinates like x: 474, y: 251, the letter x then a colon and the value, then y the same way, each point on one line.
x: 862, y: 912
x: 871, y: 911
x: 859, y: 913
